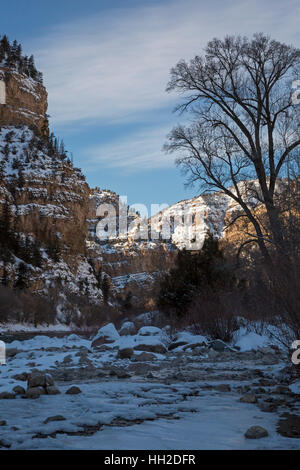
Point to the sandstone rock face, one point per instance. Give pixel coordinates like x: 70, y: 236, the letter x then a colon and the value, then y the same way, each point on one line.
x: 25, y: 101
x: 132, y: 266
x: 48, y: 198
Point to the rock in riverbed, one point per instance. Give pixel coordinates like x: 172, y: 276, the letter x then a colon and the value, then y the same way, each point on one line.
x: 256, y: 432
x: 40, y: 384
x: 73, y: 391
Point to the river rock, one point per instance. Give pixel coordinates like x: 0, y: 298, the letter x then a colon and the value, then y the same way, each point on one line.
x: 256, y: 432
x: 248, y: 398
x: 128, y: 328
x: 73, y: 391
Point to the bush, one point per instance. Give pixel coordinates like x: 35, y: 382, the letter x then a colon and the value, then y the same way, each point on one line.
x: 209, y: 316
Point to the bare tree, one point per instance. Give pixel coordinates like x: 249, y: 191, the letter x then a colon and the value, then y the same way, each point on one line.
x: 243, y: 125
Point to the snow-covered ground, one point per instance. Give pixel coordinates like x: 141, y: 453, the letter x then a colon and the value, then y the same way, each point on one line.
x: 185, y: 398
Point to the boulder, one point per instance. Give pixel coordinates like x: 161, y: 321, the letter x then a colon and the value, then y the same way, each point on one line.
x: 67, y: 359
x: 34, y: 392
x: 11, y: 352
x: 106, y: 335
x: 125, y: 353
x: 52, y: 390
x: 106, y: 347
x: 212, y: 354
x: 289, y: 425
x: 73, y: 391
x: 269, y: 360
x: 268, y: 407
x: 36, y: 379
x: 54, y: 418
x: 7, y: 396
x: 4, y: 444
x: 128, y: 328
x: 223, y: 388
x: 21, y: 377
x: 19, y: 390
x: 176, y: 344
x: 40, y: 384
x: 282, y: 389
x: 49, y: 380
x: 218, y: 345
x: 248, y: 398
x: 256, y: 432
x: 144, y: 357
x: 150, y: 331
x: 120, y: 373
x: 157, y: 348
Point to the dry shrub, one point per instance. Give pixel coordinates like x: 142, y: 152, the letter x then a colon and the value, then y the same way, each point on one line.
x: 24, y: 306
x: 92, y: 314
x: 209, y: 315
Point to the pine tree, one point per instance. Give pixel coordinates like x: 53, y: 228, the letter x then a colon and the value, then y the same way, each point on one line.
x: 12, y: 58
x: 22, y: 276
x: 127, y: 302
x: 193, y: 271
x: 4, y: 279
x: 105, y: 288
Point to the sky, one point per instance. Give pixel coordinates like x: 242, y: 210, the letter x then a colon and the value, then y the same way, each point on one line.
x: 106, y: 65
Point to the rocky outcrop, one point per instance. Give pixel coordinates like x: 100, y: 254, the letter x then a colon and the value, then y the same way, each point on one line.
x: 25, y: 101
x: 48, y: 206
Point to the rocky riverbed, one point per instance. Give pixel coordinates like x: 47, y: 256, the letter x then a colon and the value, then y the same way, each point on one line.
x: 146, y: 390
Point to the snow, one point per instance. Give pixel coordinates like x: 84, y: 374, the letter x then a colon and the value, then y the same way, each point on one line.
x: 189, y: 338
x: 295, y: 387
x: 198, y: 430
x: 108, y: 331
x: 127, y: 326
x: 135, y: 413
x: 48, y: 342
x: 10, y: 327
x: 248, y: 340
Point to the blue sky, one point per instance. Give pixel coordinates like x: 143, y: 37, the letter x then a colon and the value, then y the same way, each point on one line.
x: 106, y: 65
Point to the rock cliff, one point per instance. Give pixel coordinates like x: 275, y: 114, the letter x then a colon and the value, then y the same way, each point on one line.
x: 24, y: 101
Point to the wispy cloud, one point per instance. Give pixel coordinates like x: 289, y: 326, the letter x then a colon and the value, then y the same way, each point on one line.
x: 141, y: 150
x: 113, y: 67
